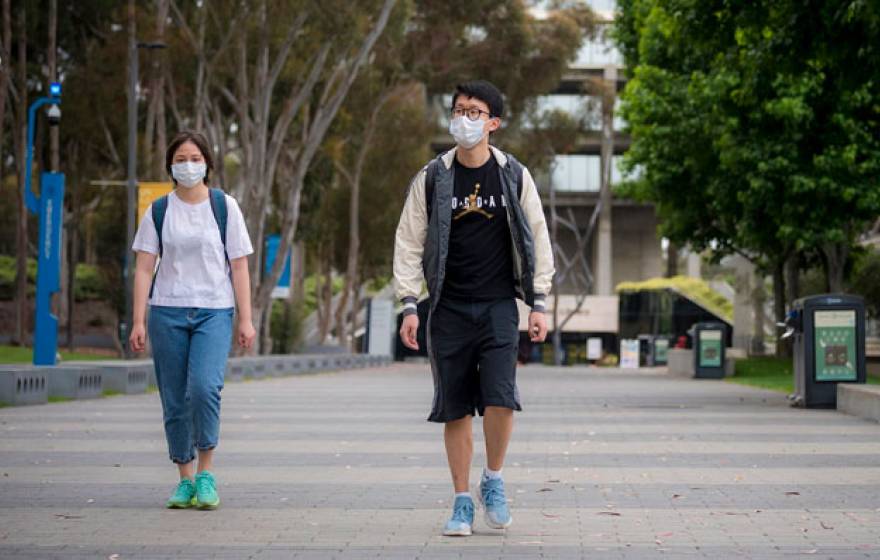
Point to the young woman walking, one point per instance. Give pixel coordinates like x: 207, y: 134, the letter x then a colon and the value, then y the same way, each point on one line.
x: 200, y: 237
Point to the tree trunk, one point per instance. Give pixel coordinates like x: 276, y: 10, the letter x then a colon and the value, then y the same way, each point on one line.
x: 783, y: 350
x: 21, y: 307
x: 5, y: 77
x: 671, y: 260
x: 792, y: 278
x: 836, y: 255
x: 759, y: 297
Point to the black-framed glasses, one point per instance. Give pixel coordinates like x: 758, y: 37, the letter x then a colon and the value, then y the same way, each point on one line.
x: 472, y: 113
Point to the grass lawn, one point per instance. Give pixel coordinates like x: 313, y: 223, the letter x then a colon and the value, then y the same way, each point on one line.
x: 24, y: 355
x: 770, y: 373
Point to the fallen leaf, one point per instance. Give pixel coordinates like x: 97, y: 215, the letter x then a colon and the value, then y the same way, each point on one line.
x: 792, y: 493
x: 676, y: 496
x: 829, y: 527
x: 544, y: 490
x: 614, y: 513
x: 550, y: 515
x: 66, y: 516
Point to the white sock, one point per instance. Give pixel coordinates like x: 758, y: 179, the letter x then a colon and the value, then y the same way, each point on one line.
x: 463, y: 495
x: 490, y: 474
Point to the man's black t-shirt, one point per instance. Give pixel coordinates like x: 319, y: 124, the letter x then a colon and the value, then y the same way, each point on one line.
x: 480, y: 262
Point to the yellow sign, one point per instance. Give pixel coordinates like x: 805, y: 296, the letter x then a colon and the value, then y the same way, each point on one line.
x: 148, y: 192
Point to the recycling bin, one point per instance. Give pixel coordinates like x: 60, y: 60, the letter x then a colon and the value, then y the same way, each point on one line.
x: 828, y: 348
x: 661, y: 350
x: 709, y: 352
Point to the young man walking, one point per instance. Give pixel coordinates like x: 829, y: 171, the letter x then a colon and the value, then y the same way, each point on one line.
x: 473, y: 228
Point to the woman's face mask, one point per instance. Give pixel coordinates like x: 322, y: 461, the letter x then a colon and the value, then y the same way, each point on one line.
x: 189, y: 173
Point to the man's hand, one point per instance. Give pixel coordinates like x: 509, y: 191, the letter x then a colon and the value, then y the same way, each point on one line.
x: 537, y: 326
x: 408, y: 331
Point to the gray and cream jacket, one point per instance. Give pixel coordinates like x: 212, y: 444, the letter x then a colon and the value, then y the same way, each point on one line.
x: 421, y: 244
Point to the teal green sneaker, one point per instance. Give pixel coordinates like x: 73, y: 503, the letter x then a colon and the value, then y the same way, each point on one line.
x: 206, y: 491
x: 184, y: 496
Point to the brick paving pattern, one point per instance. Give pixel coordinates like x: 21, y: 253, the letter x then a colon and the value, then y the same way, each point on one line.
x: 604, y: 464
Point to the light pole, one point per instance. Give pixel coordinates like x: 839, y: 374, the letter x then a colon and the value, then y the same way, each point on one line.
x: 49, y: 206
x: 131, y: 184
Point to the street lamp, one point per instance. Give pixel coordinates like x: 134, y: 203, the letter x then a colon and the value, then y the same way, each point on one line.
x: 131, y: 185
x: 49, y: 206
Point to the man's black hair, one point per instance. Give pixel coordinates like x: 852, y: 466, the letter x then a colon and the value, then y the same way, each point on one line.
x: 485, y: 92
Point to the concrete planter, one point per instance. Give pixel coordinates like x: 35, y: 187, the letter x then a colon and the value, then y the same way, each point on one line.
x: 23, y: 385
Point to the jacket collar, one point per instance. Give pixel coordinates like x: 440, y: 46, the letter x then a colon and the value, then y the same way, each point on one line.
x: 500, y: 157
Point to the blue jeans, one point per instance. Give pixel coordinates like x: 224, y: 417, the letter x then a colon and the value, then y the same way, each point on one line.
x: 190, y: 347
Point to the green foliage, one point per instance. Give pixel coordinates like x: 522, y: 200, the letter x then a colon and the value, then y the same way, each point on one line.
x: 89, y: 281
x: 864, y: 280
x: 756, y: 126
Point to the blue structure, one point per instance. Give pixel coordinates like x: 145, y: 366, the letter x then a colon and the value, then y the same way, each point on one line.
x: 50, y: 207
x: 282, y: 289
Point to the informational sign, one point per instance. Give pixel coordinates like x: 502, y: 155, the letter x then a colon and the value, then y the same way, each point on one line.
x: 594, y: 348
x: 148, y: 192
x: 835, y: 344
x: 282, y: 289
x: 381, y: 327
x: 661, y: 350
x: 710, y: 348
x: 629, y: 354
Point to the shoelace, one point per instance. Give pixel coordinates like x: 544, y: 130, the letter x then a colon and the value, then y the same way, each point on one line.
x: 463, y: 511
x: 494, y: 495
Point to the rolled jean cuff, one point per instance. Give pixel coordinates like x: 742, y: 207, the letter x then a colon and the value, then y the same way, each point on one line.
x: 177, y: 461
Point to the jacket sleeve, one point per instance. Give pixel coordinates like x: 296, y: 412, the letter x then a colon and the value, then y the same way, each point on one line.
x: 409, y: 244
x: 544, y: 269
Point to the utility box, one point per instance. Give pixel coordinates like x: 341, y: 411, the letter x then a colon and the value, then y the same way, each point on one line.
x: 709, y: 342
x: 829, y: 347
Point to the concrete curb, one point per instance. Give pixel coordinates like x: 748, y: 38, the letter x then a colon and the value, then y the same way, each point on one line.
x: 27, y: 384
x: 859, y: 400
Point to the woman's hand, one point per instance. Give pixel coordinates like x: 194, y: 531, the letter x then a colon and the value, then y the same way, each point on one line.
x: 138, y: 338
x: 246, y: 334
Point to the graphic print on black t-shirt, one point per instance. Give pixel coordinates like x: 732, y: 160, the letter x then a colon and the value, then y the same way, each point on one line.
x: 480, y: 263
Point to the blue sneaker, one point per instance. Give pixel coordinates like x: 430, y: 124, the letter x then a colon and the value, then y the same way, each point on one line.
x: 495, y: 502
x: 459, y: 525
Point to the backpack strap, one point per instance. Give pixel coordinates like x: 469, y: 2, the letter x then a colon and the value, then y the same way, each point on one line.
x: 159, y: 209
x: 221, y: 213
x: 430, y: 180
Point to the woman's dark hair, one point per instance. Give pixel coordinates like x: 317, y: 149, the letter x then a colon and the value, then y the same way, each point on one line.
x: 485, y: 92
x: 201, y: 143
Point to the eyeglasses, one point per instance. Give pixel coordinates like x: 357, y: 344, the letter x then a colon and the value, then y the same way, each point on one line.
x: 473, y: 113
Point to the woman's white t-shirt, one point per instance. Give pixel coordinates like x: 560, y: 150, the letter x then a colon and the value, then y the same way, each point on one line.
x: 193, y: 271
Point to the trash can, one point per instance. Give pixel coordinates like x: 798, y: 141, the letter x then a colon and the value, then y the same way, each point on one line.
x: 646, y: 350
x: 829, y: 347
x: 661, y: 350
x: 709, y: 341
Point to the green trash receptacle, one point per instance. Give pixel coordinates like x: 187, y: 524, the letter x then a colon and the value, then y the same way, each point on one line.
x: 829, y: 347
x: 709, y: 350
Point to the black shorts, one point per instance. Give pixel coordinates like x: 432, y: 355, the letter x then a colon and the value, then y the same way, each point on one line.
x: 473, y: 347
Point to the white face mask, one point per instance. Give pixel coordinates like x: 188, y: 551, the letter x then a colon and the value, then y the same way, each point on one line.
x: 467, y: 133
x: 189, y: 173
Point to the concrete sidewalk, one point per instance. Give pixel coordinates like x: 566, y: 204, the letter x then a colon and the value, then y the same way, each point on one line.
x: 604, y: 464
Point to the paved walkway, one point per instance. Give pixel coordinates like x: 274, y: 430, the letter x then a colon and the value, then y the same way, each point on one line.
x: 604, y: 464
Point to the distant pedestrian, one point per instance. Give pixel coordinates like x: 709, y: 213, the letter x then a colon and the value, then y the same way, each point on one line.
x: 474, y: 229
x: 201, y: 239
